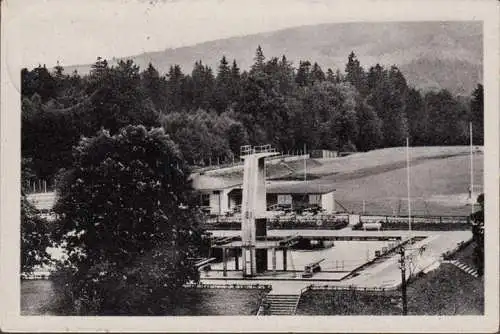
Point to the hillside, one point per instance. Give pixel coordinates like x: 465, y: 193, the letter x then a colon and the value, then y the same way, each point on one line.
x: 428, y: 53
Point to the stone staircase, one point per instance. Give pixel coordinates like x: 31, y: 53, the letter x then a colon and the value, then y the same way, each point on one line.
x: 280, y: 304
x: 471, y: 271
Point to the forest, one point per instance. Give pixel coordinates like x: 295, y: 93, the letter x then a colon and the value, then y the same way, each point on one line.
x: 210, y: 113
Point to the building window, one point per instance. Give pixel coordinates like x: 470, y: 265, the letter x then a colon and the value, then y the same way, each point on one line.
x: 284, y: 199
x: 315, y: 199
x: 205, y: 199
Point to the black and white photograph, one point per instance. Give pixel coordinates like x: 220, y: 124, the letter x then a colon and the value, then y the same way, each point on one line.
x: 265, y: 161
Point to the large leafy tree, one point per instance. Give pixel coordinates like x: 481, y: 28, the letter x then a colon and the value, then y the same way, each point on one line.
x: 447, y: 119
x: 202, y: 137
x: 369, y: 125
x: 35, y: 231
x: 127, y: 222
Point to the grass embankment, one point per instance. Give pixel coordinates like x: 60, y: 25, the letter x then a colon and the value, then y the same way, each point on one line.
x: 466, y: 255
x: 444, y: 291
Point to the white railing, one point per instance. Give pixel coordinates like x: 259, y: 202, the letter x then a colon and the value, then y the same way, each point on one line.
x: 248, y: 149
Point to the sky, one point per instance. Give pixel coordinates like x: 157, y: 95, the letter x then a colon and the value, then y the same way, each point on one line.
x: 77, y: 31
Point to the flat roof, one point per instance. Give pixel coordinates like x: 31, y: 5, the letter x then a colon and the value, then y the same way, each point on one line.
x: 211, y: 183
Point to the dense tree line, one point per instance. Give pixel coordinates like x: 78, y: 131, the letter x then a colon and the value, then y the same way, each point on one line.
x: 210, y: 114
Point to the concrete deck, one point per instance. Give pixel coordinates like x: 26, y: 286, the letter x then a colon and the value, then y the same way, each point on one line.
x: 385, y: 274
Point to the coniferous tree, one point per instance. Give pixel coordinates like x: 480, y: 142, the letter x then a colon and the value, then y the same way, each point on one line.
x: 235, y: 81
x: 222, y: 89
x: 257, y: 68
x: 317, y: 74
x: 285, y: 76
x: 355, y: 74
x: 202, y: 86
x: 176, y: 82
x: 155, y: 87
x: 330, y: 76
x: 303, y: 77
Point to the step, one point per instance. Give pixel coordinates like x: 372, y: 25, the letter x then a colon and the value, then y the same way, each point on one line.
x: 283, y: 296
x: 465, y: 267
x: 281, y: 306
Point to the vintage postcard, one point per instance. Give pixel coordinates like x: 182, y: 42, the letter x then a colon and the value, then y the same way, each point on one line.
x: 279, y: 166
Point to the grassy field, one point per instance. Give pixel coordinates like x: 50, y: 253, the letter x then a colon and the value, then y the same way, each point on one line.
x: 439, y: 180
x: 438, y: 187
x: 217, y: 302
x: 383, y: 158
x: 38, y: 297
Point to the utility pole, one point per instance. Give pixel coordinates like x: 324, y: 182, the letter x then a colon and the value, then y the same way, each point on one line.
x: 402, y: 266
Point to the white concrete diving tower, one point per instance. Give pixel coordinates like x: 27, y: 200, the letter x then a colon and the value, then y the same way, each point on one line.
x: 253, y: 207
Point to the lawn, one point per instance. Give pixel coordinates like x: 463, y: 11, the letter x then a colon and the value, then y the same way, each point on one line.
x: 387, y: 157
x: 38, y: 297
x: 439, y: 183
x: 444, y: 291
x: 217, y: 302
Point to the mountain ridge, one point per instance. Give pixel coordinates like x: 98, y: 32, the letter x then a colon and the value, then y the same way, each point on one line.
x: 428, y: 53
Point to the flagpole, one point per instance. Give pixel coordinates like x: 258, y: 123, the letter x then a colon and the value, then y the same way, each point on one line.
x: 408, y: 179
x: 471, y: 170
x: 305, y: 164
